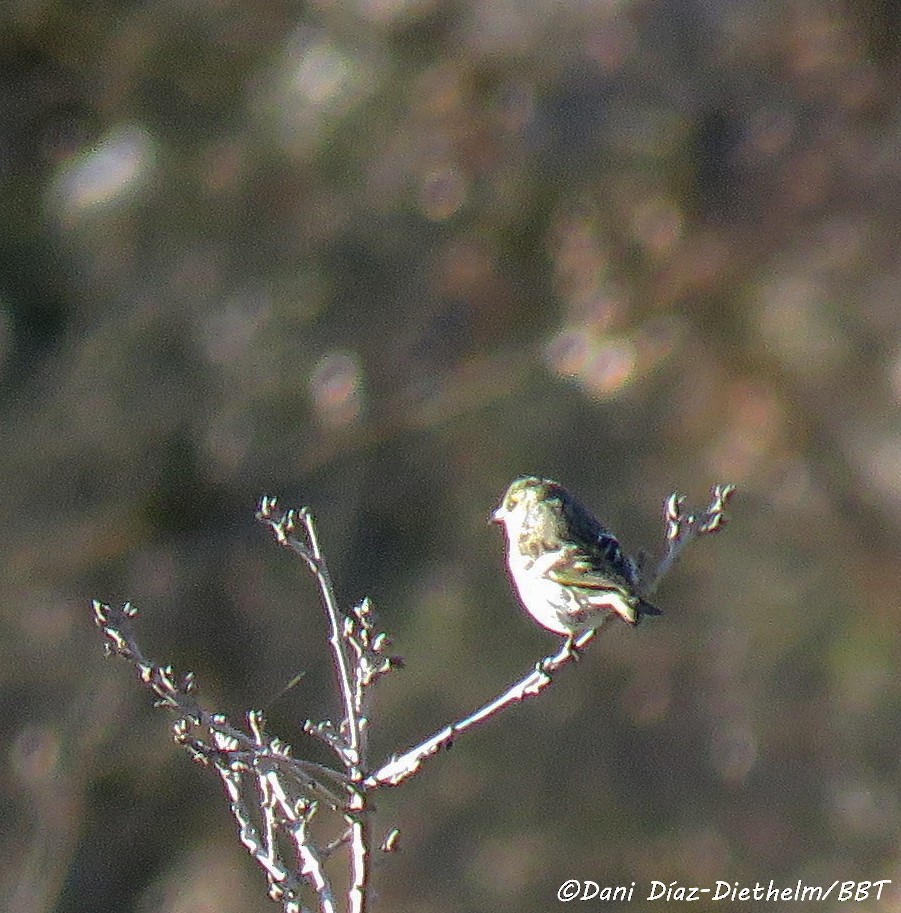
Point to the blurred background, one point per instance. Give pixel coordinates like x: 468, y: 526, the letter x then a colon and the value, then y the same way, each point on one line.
x: 379, y: 257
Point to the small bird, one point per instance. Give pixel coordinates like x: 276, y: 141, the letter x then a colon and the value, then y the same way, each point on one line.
x: 570, y: 572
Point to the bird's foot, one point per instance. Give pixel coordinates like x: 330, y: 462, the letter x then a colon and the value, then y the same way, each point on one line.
x: 570, y: 650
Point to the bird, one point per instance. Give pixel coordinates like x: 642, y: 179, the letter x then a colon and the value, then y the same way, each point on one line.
x: 569, y: 570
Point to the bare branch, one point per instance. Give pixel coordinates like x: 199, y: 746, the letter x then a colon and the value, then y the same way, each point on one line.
x: 682, y: 527
x: 274, y: 797
x: 284, y: 526
x: 359, y: 658
x: 398, y: 769
x: 178, y: 695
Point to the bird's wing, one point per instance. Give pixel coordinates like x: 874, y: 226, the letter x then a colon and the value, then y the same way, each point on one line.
x: 602, y: 547
x: 574, y: 568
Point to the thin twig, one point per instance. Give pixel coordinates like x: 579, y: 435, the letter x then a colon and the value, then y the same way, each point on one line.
x: 682, y: 528
x: 339, y: 649
x: 398, y: 769
x: 178, y: 694
x: 345, y: 632
x: 283, y: 528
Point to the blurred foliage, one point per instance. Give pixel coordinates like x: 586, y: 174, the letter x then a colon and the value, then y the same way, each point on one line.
x: 379, y: 257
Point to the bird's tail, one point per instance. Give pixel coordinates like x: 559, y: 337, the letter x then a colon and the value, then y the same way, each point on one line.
x: 646, y: 608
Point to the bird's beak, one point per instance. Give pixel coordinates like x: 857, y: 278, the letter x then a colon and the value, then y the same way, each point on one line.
x: 497, y: 516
